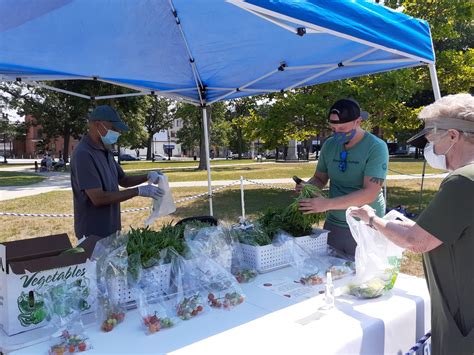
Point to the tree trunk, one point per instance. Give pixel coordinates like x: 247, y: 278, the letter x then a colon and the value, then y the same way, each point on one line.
x: 67, y: 137
x: 149, y: 150
x: 203, y: 152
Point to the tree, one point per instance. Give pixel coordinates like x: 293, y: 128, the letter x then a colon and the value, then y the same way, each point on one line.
x: 63, y: 115
x: 238, y: 115
x: 159, y: 114
x: 192, y: 133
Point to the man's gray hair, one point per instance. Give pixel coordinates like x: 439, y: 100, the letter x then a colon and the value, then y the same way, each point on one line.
x: 452, y: 111
x: 459, y: 106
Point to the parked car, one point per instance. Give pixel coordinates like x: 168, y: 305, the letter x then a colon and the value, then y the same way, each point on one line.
x: 160, y: 157
x: 128, y: 157
x: 270, y: 155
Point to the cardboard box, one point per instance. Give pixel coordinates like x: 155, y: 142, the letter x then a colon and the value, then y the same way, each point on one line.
x: 28, y: 267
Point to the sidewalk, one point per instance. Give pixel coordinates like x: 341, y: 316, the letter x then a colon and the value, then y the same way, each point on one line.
x: 61, y: 181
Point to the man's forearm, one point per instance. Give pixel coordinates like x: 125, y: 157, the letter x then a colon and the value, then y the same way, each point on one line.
x: 130, y: 181
x: 317, y: 182
x: 108, y: 197
x: 396, y: 231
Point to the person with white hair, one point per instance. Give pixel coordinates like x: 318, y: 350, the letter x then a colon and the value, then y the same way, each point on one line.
x: 444, y: 232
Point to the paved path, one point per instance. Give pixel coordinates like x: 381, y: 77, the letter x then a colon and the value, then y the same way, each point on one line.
x: 61, y: 181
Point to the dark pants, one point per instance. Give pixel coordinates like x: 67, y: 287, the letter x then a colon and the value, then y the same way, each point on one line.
x: 341, y: 240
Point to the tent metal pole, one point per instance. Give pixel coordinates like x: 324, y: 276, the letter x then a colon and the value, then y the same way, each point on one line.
x: 434, y: 81
x: 422, y: 183
x: 60, y: 90
x: 208, y: 163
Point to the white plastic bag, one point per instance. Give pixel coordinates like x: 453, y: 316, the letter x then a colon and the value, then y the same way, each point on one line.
x: 377, y: 259
x: 164, y: 205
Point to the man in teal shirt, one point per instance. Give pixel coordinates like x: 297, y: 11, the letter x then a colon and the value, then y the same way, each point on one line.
x: 355, y: 164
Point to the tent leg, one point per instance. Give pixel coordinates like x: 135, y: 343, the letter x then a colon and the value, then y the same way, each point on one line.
x: 434, y: 81
x: 208, y: 163
x: 422, y: 183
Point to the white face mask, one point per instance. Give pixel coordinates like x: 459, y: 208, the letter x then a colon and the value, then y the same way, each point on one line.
x: 436, y: 161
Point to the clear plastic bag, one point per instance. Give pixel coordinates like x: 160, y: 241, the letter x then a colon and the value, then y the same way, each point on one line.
x: 111, y: 259
x: 339, y: 268
x: 241, y: 271
x: 377, y: 259
x: 213, y: 242
x: 184, y: 289
x: 156, y: 309
x: 65, y: 303
x: 222, y: 289
x: 164, y: 205
x: 310, y: 266
x: 69, y: 341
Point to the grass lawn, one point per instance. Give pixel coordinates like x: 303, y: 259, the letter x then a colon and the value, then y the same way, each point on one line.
x: 160, y: 164
x: 226, y: 170
x: 13, y: 178
x: 270, y: 170
x: 226, y: 207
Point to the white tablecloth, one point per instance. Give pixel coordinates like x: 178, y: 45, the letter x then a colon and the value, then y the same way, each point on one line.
x: 269, y: 323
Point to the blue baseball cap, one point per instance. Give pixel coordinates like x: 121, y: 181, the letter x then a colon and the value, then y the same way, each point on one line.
x: 107, y: 113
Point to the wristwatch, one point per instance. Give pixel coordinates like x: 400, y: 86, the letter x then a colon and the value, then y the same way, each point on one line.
x: 371, y: 222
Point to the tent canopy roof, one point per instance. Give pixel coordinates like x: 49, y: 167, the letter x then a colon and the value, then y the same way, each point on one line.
x: 208, y: 50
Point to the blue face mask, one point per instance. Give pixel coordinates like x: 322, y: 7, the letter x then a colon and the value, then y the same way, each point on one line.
x: 110, y: 137
x: 344, y: 137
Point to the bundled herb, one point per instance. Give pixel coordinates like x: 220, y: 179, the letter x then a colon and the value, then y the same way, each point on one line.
x: 289, y: 219
x: 148, y: 243
x: 297, y: 223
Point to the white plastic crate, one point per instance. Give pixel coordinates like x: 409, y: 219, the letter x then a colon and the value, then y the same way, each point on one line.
x: 269, y: 257
x: 159, y: 274
x: 317, y: 242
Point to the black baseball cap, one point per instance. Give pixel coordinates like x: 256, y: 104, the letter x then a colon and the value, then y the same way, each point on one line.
x: 347, y: 110
x: 107, y: 113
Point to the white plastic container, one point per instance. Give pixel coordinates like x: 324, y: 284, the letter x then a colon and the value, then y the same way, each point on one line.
x: 269, y: 257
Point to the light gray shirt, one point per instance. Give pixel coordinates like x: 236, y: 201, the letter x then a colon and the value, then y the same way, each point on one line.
x: 94, y: 167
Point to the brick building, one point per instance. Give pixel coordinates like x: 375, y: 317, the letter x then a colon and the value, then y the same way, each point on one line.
x: 32, y: 147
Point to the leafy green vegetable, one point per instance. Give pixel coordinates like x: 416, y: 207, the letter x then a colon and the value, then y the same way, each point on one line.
x: 148, y: 243
x: 288, y: 219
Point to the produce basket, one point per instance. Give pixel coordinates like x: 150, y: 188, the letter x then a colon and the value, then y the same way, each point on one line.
x: 160, y: 273
x: 269, y: 257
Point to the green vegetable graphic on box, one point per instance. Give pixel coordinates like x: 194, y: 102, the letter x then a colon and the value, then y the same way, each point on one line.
x: 32, y: 309
x: 32, y: 305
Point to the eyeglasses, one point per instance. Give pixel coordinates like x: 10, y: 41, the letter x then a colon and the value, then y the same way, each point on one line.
x: 343, y: 161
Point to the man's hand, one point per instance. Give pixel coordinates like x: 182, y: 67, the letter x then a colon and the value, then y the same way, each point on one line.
x: 150, y: 191
x: 314, y: 205
x: 298, y: 188
x: 154, y: 177
x: 364, y: 213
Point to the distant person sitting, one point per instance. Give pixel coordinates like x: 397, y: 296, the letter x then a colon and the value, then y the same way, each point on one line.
x: 59, y: 164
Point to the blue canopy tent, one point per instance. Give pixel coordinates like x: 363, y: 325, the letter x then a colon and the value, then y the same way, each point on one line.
x: 205, y: 51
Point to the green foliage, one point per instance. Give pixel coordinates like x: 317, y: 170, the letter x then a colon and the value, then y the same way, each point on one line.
x: 288, y: 219
x: 158, y: 114
x: 62, y: 115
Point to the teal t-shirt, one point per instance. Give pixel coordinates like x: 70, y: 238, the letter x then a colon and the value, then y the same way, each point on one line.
x: 369, y: 157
